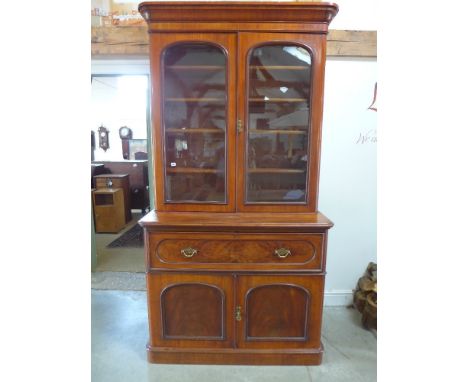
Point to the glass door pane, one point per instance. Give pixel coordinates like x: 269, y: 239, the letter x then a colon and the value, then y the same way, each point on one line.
x: 278, y: 107
x: 194, y: 115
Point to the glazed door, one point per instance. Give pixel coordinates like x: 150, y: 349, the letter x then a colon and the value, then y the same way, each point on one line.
x: 279, y: 311
x: 193, y: 85
x: 280, y: 121
x: 193, y: 311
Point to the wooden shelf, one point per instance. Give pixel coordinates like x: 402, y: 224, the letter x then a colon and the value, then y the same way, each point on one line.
x: 195, y: 67
x: 195, y: 131
x: 279, y: 67
x: 278, y: 100
x: 195, y: 99
x: 192, y: 170
x: 266, y: 170
x: 270, y: 131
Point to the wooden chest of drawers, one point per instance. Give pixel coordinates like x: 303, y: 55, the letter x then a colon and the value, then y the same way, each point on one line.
x: 252, y: 295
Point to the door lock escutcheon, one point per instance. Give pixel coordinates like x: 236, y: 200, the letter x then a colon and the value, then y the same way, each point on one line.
x: 239, y: 126
x: 238, y: 313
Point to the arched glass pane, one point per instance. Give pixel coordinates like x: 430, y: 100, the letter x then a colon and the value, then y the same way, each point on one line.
x: 278, y: 124
x: 194, y: 114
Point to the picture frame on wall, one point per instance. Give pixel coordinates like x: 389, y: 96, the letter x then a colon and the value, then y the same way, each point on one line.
x: 137, y: 149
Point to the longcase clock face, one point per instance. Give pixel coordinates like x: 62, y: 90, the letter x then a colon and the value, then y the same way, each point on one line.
x: 125, y: 132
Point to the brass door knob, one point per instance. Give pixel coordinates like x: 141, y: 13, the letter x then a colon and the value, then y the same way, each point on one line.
x: 282, y: 253
x: 188, y: 252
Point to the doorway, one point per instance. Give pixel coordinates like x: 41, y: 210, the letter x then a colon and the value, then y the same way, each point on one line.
x: 120, y: 170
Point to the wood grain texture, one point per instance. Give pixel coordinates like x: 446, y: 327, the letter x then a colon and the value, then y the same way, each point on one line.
x: 285, y: 308
x: 183, y: 316
x: 236, y: 283
x: 235, y: 222
x: 237, y: 11
x: 348, y: 43
x: 242, y: 252
x: 118, y: 181
x: 192, y: 311
x: 134, y: 40
x: 276, y: 312
x: 109, y: 210
x: 309, y: 356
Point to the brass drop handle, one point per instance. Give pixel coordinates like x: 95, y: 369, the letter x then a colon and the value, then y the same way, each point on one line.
x: 282, y: 253
x: 238, y: 313
x: 188, y: 252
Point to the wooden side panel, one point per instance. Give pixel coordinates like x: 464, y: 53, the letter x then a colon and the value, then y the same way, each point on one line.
x: 280, y: 311
x: 188, y: 310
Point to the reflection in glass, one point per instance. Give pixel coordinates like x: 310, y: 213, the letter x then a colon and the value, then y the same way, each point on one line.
x: 195, y: 103
x: 278, y: 124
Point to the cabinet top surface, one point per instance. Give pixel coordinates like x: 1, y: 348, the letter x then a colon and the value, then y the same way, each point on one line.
x: 106, y: 190
x: 105, y: 176
x: 225, y: 11
x: 232, y: 221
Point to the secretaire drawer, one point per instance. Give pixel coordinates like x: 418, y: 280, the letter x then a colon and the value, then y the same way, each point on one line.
x: 236, y: 251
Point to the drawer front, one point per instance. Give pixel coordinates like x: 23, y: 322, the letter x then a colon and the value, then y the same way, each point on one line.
x: 236, y: 251
x: 116, y: 182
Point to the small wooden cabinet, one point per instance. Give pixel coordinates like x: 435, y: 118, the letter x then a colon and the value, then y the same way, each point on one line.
x: 236, y: 249
x: 116, y: 181
x: 109, y: 210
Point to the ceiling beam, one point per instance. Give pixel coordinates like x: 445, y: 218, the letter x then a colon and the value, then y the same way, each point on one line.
x: 133, y: 41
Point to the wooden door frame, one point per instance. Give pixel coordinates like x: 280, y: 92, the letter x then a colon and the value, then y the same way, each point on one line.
x: 159, y: 42
x: 316, y: 43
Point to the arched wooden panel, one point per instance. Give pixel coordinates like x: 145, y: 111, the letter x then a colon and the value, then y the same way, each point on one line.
x: 192, y: 311
x: 277, y: 312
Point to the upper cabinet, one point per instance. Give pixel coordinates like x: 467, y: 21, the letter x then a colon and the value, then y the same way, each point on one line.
x: 236, y: 113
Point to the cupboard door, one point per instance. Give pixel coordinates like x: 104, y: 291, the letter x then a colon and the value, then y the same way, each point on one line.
x: 279, y: 311
x: 190, y: 310
x: 193, y: 79
x: 280, y: 106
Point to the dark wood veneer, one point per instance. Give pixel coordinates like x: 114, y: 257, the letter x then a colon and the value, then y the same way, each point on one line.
x: 240, y: 281
x: 237, y: 11
x: 186, y: 307
x: 263, y: 303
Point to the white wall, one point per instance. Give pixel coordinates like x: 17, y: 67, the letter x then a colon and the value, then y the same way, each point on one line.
x: 115, y: 103
x: 348, y: 173
x: 355, y: 15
